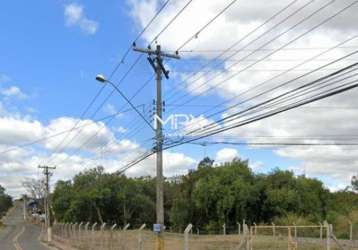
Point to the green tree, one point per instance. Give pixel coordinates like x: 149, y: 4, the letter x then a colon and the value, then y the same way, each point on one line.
x: 5, y: 201
x: 354, y: 183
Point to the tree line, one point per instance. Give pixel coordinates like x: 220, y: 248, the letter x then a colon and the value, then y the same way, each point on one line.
x: 207, y: 197
x: 5, y: 201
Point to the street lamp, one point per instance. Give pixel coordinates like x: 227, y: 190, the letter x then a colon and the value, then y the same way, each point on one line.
x: 101, y: 78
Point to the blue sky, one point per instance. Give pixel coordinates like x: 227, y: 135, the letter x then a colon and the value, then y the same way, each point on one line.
x: 51, y: 52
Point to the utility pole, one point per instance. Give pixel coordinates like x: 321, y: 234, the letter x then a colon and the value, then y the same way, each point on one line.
x: 24, y: 206
x: 159, y: 69
x: 47, y: 173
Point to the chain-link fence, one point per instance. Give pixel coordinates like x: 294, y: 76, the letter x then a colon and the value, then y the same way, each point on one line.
x: 88, y: 236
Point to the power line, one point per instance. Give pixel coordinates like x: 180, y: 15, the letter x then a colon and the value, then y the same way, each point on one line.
x: 137, y: 38
x: 285, y: 94
x: 116, y: 68
x: 276, y: 50
x: 196, y: 34
x: 276, y: 87
x: 171, y: 21
x: 242, y: 39
x: 205, y: 143
x: 267, y: 49
x: 251, y: 120
x: 110, y: 120
x: 264, y: 116
x: 284, y: 83
x: 296, y: 38
x: 138, y: 58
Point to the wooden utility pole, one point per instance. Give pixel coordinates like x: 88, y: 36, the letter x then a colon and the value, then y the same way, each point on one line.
x: 47, y: 173
x: 158, y: 67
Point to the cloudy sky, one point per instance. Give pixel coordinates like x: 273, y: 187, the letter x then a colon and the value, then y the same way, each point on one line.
x: 52, y: 52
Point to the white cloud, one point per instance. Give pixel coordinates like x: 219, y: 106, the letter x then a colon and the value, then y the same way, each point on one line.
x: 226, y: 155
x: 75, y: 16
x: 13, y: 91
x: 15, y: 131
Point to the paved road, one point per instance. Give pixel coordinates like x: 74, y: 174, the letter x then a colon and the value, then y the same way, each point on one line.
x: 18, y: 235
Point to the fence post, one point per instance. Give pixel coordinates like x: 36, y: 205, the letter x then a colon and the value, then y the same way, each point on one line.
x: 74, y: 234
x: 350, y: 230
x: 224, y: 229
x: 320, y: 231
x: 328, y: 235
x: 93, y: 238
x: 80, y: 233
x: 186, y: 236
x: 62, y: 229
x: 70, y: 231
x: 273, y: 229
x: 140, y: 237
x: 80, y: 229
x: 85, y: 234
x: 123, y: 234
x: 238, y: 228
x: 295, y: 228
x: 247, y: 236
x: 93, y: 227
x: 292, y: 245
x: 103, y: 226
x: 65, y: 235
x: 111, y: 236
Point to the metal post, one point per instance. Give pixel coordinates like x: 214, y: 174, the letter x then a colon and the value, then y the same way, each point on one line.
x: 238, y: 228
x: 255, y: 229
x: 186, y: 236
x: 350, y: 230
x: 224, y: 229
x: 328, y: 235
x: 320, y: 231
x: 273, y: 229
x: 24, y: 197
x: 295, y: 228
x: 84, y: 235
x: 103, y: 226
x: 247, y: 236
x: 111, y: 237
x: 140, y: 237
x: 80, y: 232
x: 123, y: 241
x: 93, y: 238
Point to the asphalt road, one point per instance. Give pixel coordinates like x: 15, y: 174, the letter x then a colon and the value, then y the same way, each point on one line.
x: 18, y: 235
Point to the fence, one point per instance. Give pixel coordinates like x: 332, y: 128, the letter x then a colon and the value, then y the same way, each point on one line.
x: 109, y: 237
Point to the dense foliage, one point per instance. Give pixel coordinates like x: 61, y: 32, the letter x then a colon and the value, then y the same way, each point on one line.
x: 207, y: 198
x: 5, y: 201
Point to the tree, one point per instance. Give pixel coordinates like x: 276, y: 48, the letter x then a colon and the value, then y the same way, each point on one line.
x: 354, y: 183
x: 36, y: 188
x: 5, y: 201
